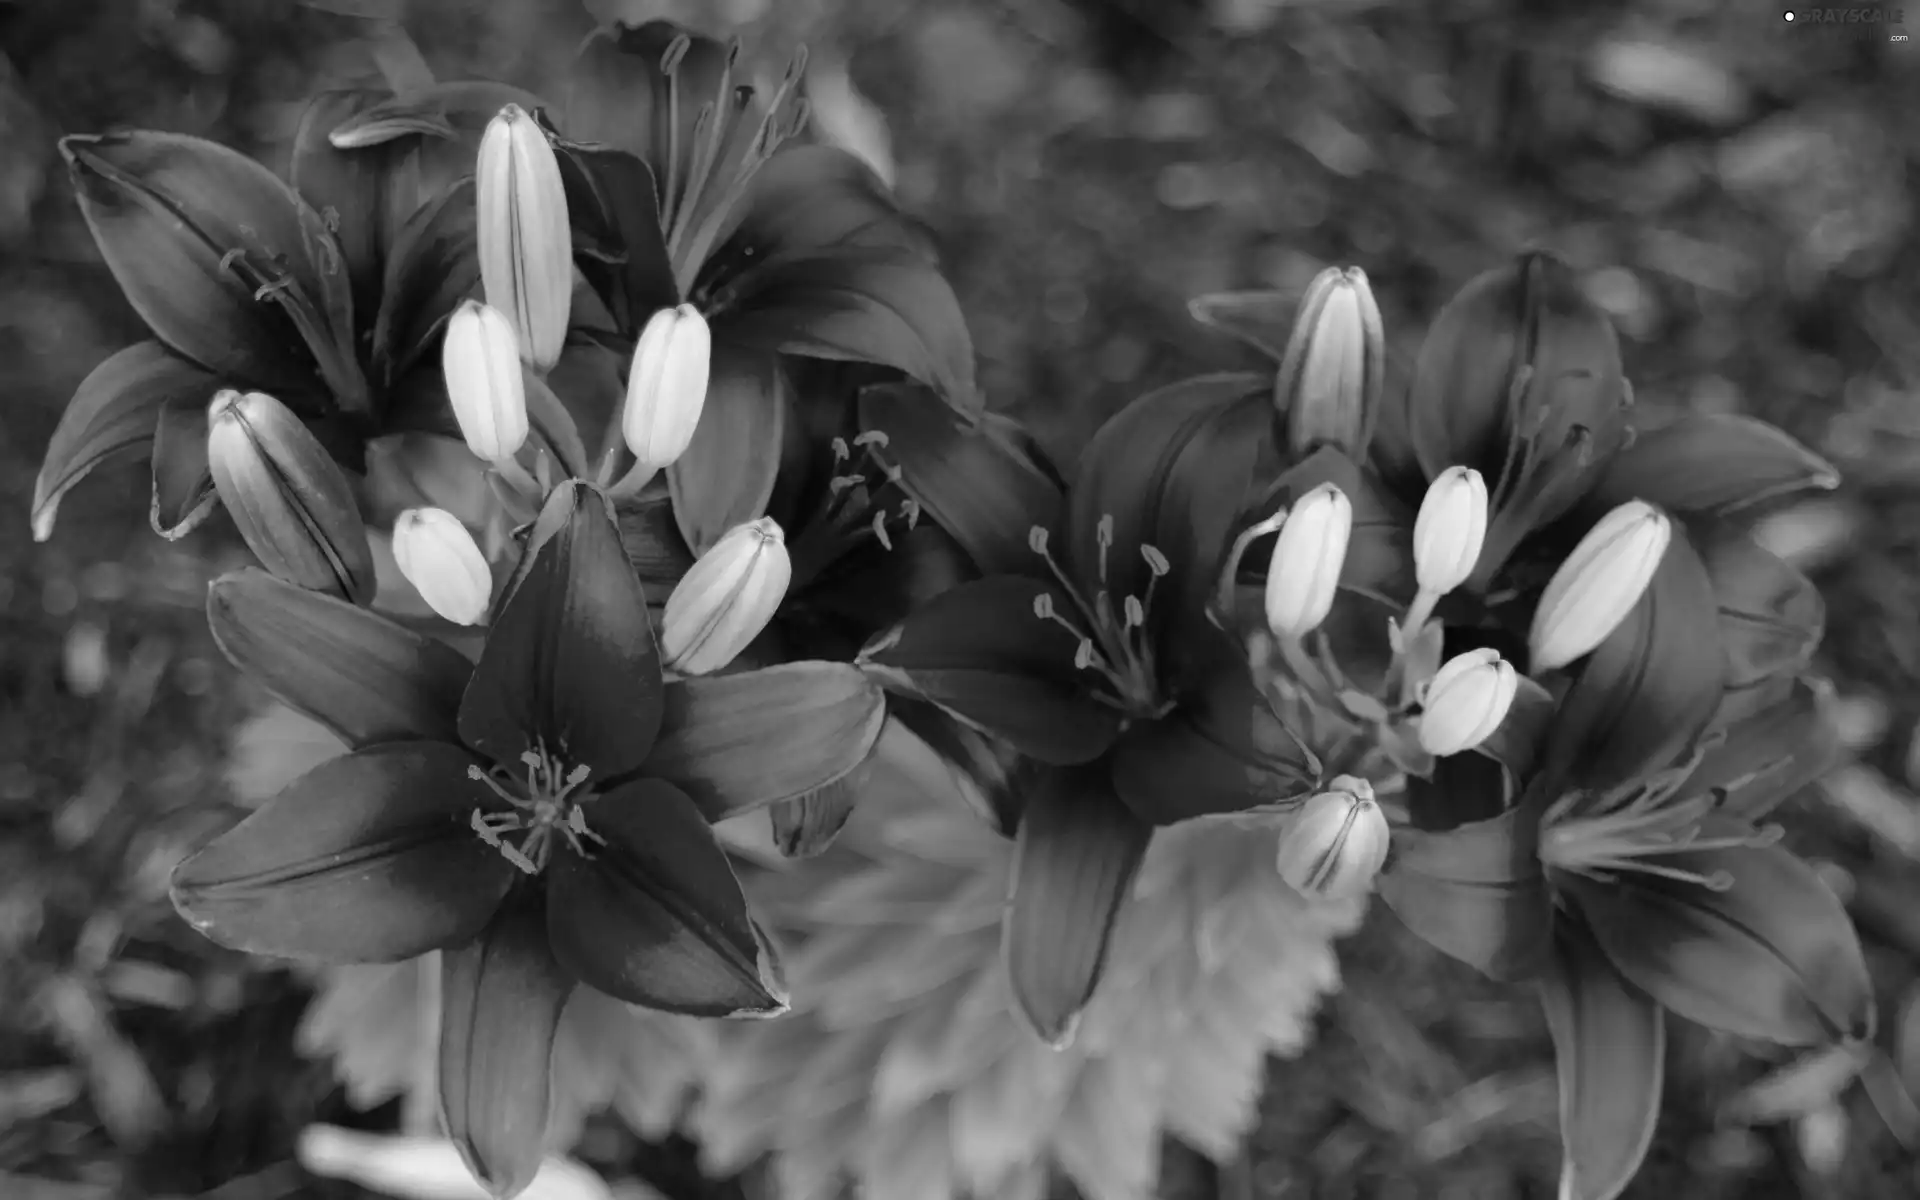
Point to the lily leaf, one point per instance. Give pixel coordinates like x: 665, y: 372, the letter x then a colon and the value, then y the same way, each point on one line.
x: 1075, y: 858
x: 501, y: 997
x: 981, y: 652
x: 653, y: 914
x: 183, y: 489
x: 365, y: 858
x: 1772, y: 955
x: 1610, y: 1042
x: 365, y: 678
x: 571, y: 663
x: 112, y: 416
x: 1476, y: 892
x: 1771, y: 755
x: 876, y: 304
x: 971, y: 481
x: 1771, y: 620
x: 734, y: 743
x: 726, y: 476
x: 1222, y: 751
x: 1263, y: 320
x: 1712, y: 464
x: 430, y: 269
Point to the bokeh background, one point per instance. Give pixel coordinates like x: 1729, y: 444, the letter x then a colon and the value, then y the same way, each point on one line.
x: 1735, y: 189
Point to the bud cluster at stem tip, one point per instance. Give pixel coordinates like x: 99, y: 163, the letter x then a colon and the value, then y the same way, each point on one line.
x: 481, y: 359
x: 524, y: 240
x: 1466, y: 701
x: 1308, y: 556
x: 667, y: 386
x: 1598, y: 585
x: 726, y: 598
x: 1337, y: 842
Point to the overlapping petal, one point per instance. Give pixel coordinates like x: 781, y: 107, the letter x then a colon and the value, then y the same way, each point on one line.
x: 615, y: 208
x: 1766, y: 758
x: 1476, y: 891
x: 1221, y: 751
x: 183, y: 491
x: 431, y: 267
x: 1379, y: 560
x: 1712, y: 464
x: 1771, y: 619
x: 618, y: 93
x: 725, y: 477
x: 815, y: 197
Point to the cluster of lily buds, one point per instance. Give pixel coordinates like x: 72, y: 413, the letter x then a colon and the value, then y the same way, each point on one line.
x: 1337, y: 842
x: 444, y: 564
x: 1597, y: 586
x: 1330, y: 378
x: 726, y: 598
x: 524, y: 239
x: 1310, y: 552
x: 1466, y: 701
x: 666, y: 387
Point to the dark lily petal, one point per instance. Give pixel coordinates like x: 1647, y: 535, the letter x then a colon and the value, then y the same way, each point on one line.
x: 813, y: 198
x: 1771, y: 619
x: 590, y: 377
x: 971, y: 481
x: 876, y: 304
x: 346, y: 187
x: 571, y: 662
x: 725, y: 478
x: 167, y: 210
x: 615, y: 209
x: 431, y: 268
x: 1768, y: 757
x: 554, y: 427
x: 653, y: 543
x: 1610, y: 1043
x: 1379, y: 560
x: 653, y: 915
x: 1476, y: 892
x: 734, y: 743
x: 1077, y: 852
x: 365, y: 858
x: 501, y: 996
x: 1713, y: 464
x: 803, y: 828
x: 1773, y: 956
x: 982, y: 653
x: 1521, y: 738
x: 417, y: 402
x: 618, y: 95
x: 112, y: 417
x: 183, y: 492
x: 1651, y: 687
x: 456, y: 110
x: 1263, y: 320
x: 1221, y: 751
x: 354, y: 671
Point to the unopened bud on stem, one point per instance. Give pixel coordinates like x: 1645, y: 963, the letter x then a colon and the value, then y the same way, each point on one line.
x: 1307, y: 559
x: 481, y: 358
x: 1337, y: 843
x: 667, y: 386
x: 1331, y: 375
x: 726, y: 598
x: 442, y: 562
x: 1466, y: 701
x: 1448, y: 533
x: 1598, y: 585
x: 525, y: 242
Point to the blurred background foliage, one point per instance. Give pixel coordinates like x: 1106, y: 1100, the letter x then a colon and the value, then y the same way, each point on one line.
x: 1735, y: 189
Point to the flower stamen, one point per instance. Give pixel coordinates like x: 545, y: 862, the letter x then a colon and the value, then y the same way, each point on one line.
x: 545, y: 804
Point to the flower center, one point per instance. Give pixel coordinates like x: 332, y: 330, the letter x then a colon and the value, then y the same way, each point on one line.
x: 543, y: 806
x: 1117, y: 648
x: 1633, y: 829
x: 853, y: 511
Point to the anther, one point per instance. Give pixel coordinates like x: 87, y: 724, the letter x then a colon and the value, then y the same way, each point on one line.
x: 880, y: 530
x: 872, y: 437
x: 1037, y: 539
x: 1157, y: 562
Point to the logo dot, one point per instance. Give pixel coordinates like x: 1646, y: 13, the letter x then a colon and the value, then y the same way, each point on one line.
x: 1789, y: 15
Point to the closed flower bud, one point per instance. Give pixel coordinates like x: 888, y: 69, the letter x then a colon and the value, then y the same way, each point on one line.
x: 524, y: 239
x: 1330, y: 378
x: 290, y: 502
x: 1598, y: 585
x: 443, y: 563
x: 1337, y: 843
x: 667, y: 386
x: 726, y: 598
x: 481, y: 358
x: 1466, y: 701
x: 1450, y: 529
x: 1307, y: 559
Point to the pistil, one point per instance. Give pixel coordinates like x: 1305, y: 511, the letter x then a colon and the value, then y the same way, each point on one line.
x: 544, y: 806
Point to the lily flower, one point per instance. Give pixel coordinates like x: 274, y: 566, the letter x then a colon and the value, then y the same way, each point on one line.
x: 1094, y: 659
x: 540, y: 816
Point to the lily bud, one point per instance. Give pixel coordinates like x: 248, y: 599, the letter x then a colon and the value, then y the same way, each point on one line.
x: 481, y: 358
x: 290, y: 502
x: 1451, y: 527
x: 726, y: 598
x: 1331, y: 374
x: 1307, y: 559
x: 524, y: 239
x: 443, y: 563
x: 1337, y: 843
x: 1466, y: 701
x: 667, y: 386
x: 1598, y: 585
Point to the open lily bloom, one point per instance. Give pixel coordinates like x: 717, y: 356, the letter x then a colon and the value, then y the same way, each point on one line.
x: 1096, y: 661
x: 541, y: 816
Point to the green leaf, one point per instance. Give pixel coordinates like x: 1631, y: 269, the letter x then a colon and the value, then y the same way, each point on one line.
x: 653, y: 914
x: 366, y: 858
x: 1712, y: 464
x: 1076, y: 855
x: 1772, y: 956
x: 980, y: 652
x: 1263, y: 320
x: 725, y: 478
x: 571, y: 662
x: 739, y: 742
x: 112, y: 417
x: 1772, y: 755
x: 500, y: 1002
x: 1476, y: 892
x: 354, y: 671
x: 1610, y: 1044
x: 1771, y: 620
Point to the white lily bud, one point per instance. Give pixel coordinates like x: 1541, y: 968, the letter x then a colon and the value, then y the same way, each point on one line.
x: 1466, y: 701
x: 524, y: 239
x: 1451, y: 527
x: 1307, y: 559
x: 443, y: 563
x: 726, y: 598
x: 481, y: 358
x: 1337, y: 843
x: 1330, y: 378
x: 667, y: 386
x: 1598, y: 584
